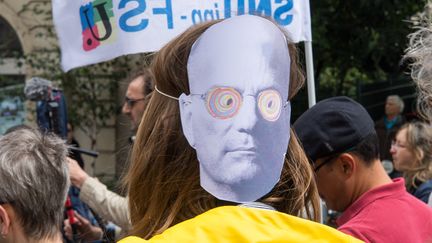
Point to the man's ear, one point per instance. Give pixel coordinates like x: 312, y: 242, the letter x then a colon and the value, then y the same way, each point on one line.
x: 4, y: 221
x: 185, y: 104
x: 348, y: 164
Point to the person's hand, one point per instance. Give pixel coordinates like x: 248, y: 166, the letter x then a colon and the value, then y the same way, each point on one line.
x: 85, y: 229
x: 76, y: 174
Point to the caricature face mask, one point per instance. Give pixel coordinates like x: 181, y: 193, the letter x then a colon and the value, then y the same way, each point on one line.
x: 237, y: 116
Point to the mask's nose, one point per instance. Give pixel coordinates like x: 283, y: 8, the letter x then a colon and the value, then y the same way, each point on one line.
x: 247, y: 118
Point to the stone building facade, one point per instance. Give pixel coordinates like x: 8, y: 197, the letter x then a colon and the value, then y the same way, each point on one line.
x: 24, y: 30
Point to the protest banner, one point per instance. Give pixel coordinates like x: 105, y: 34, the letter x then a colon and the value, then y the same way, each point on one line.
x: 100, y: 30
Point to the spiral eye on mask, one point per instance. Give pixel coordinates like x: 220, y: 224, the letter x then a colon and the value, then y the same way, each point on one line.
x: 223, y: 102
x: 270, y: 104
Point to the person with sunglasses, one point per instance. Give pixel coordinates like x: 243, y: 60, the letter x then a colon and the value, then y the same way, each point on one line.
x: 138, y: 91
x: 104, y: 202
x: 339, y: 138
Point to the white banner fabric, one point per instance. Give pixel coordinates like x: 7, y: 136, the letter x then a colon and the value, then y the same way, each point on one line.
x: 95, y: 31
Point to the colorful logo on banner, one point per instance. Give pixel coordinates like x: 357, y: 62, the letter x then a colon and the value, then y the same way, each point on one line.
x: 92, y: 31
x: 97, y: 23
x: 98, y: 26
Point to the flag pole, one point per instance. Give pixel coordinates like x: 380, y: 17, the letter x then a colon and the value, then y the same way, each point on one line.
x: 310, y: 73
x: 310, y: 78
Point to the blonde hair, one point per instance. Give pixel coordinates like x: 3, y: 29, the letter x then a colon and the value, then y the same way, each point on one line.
x: 419, y: 142
x: 419, y: 53
x: 163, y: 179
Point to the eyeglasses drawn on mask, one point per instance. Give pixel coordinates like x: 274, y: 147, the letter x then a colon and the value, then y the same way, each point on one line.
x: 396, y: 144
x: 131, y: 102
x: 225, y: 102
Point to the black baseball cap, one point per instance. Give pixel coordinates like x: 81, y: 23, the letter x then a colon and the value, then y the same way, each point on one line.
x: 333, y: 126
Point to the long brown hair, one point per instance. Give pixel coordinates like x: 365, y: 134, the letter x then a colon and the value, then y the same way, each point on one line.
x: 163, y: 179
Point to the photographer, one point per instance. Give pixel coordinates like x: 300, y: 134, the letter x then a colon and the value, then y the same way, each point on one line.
x: 52, y: 118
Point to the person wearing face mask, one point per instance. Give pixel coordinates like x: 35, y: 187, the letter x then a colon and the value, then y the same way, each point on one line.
x: 412, y: 155
x: 137, y: 95
x: 215, y: 159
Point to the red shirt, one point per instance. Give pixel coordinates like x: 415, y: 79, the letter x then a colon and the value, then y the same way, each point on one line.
x: 388, y: 214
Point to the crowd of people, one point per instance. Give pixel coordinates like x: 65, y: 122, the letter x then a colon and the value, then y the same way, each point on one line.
x: 215, y: 158
x: 338, y: 135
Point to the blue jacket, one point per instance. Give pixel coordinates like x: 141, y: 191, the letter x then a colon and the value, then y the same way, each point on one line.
x: 423, y: 191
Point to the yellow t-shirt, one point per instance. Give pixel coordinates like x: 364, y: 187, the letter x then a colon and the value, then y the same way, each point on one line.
x: 240, y: 224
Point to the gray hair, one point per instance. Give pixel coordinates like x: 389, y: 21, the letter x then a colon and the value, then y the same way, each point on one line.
x: 399, y: 101
x: 420, y: 53
x: 34, y: 179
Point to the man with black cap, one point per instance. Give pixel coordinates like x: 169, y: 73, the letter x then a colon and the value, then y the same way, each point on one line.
x: 338, y: 136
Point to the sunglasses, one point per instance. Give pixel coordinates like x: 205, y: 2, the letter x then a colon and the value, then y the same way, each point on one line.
x: 331, y: 158
x: 131, y: 102
x: 328, y: 160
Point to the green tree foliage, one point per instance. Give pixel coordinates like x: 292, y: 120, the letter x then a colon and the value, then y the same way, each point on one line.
x: 359, y: 41
x: 91, y: 91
